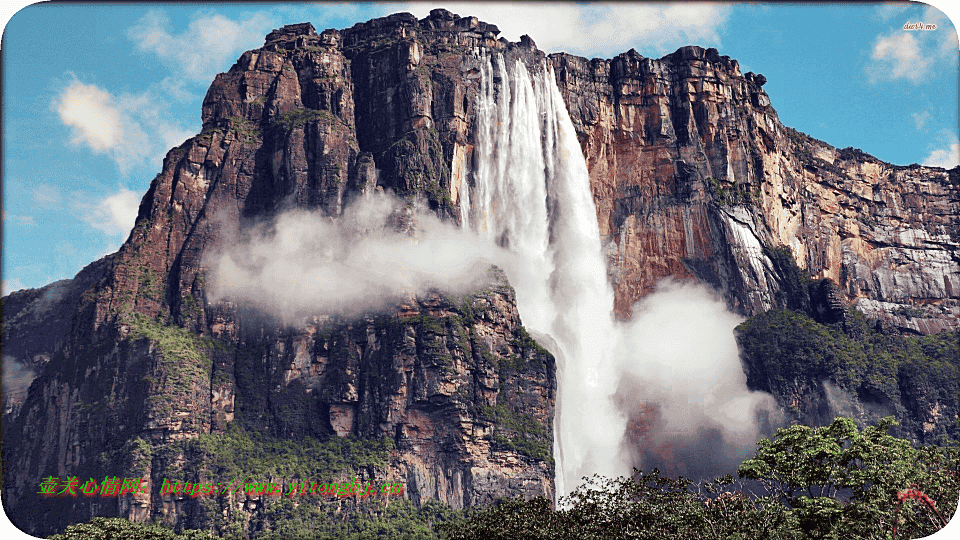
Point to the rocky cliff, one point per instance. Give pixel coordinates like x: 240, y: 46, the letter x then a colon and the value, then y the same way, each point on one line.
x: 693, y: 176
x: 134, y: 362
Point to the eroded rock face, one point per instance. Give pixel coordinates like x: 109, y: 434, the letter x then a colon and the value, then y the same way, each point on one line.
x: 436, y: 377
x: 143, y: 361
x: 693, y: 174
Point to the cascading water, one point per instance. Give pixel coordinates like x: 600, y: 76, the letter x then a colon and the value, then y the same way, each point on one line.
x: 674, y: 369
x: 531, y: 195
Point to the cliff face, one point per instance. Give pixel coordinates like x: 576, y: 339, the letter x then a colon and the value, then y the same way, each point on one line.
x: 144, y: 363
x: 692, y: 174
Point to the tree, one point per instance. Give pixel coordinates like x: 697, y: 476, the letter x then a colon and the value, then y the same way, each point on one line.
x: 845, y: 483
x: 100, y: 528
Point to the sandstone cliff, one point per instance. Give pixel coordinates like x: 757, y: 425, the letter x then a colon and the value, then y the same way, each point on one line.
x: 692, y: 174
x: 141, y: 363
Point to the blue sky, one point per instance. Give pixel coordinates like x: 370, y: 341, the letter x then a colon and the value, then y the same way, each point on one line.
x: 94, y: 95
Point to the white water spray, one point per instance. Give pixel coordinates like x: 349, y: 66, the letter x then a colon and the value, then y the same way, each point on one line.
x: 531, y: 194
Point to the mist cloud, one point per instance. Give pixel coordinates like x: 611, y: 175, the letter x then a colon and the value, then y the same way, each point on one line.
x: 16, y: 377
x: 683, y: 387
x: 305, y: 263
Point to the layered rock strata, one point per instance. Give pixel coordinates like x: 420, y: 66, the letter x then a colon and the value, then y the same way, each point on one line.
x: 307, y: 121
x: 693, y: 175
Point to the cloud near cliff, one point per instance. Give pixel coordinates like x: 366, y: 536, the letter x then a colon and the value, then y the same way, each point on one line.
x: 96, y: 121
x: 304, y: 263
x: 597, y: 29
x: 199, y: 52
x: 132, y: 129
x: 115, y: 214
x: 16, y: 376
x: 948, y: 157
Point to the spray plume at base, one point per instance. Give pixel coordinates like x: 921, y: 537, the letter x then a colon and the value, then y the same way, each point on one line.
x: 529, y: 191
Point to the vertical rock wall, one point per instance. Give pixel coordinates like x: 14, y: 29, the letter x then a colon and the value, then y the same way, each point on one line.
x: 693, y: 174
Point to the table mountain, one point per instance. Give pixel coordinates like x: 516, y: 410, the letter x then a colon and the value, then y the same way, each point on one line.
x: 138, y: 373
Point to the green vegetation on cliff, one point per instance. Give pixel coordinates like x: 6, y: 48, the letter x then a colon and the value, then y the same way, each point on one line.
x: 914, y: 377
x: 238, y: 453
x: 820, y: 358
x: 519, y: 432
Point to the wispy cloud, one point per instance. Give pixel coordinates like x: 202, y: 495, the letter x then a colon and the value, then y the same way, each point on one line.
x: 921, y: 119
x: 897, y: 56
x: 16, y: 219
x: 597, y: 29
x: 132, y: 129
x: 889, y: 10
x: 113, y: 215
x: 46, y: 196
x: 206, y: 47
x: 910, y: 55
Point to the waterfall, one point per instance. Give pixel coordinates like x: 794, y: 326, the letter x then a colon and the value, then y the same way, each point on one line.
x: 531, y: 195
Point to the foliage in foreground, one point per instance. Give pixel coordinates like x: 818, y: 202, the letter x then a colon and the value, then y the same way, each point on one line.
x: 122, y: 529
x: 376, y: 519
x: 830, y: 482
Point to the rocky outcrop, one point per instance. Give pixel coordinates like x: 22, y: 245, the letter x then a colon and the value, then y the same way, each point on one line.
x: 146, y: 362
x: 693, y: 175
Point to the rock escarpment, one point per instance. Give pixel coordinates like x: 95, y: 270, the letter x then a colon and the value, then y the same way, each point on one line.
x: 146, y: 363
x: 692, y: 174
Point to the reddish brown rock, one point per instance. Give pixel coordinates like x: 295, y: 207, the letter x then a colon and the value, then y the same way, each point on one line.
x: 692, y: 173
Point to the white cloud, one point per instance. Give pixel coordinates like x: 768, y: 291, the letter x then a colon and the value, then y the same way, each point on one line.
x: 135, y: 129
x: 947, y: 158
x: 911, y: 55
x: 113, y: 215
x: 304, y: 263
x: 92, y: 114
x: 96, y: 120
x: 597, y: 29
x: 132, y: 129
x: 207, y: 46
x: 898, y: 56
